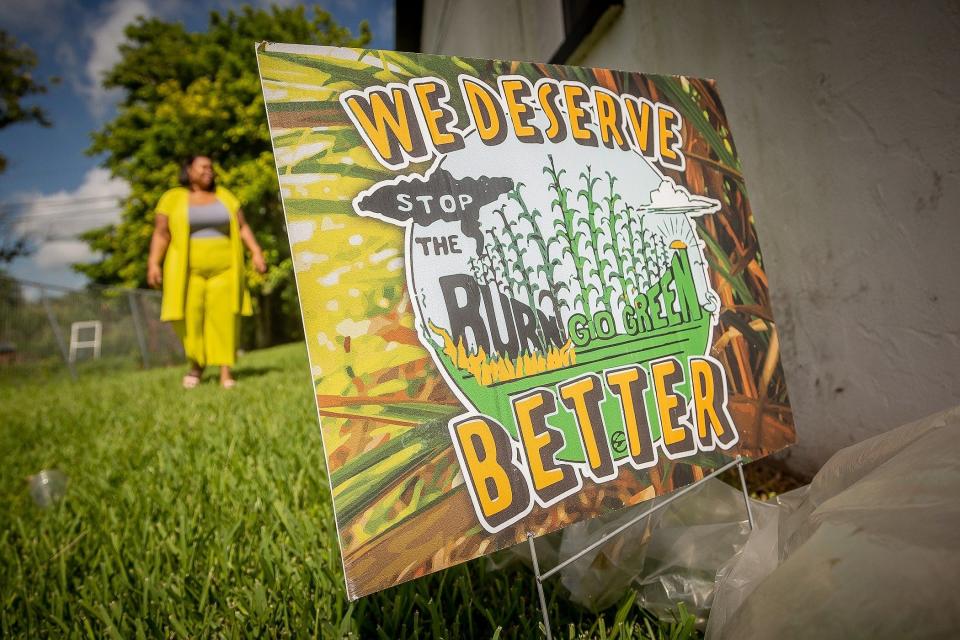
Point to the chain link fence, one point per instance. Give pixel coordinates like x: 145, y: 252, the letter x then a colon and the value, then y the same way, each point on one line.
x: 82, y: 331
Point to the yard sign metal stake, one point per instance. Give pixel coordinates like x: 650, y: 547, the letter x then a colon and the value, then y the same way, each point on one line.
x: 540, y: 577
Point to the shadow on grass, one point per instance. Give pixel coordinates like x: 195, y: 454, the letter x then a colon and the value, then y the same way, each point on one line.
x: 243, y: 373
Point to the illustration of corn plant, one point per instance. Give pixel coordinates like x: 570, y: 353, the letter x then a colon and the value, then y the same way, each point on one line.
x: 567, y: 237
x: 500, y: 272
x: 488, y: 269
x: 424, y: 326
x: 638, y: 267
x: 644, y: 253
x: 518, y: 267
x: 622, y: 258
x: 602, y: 267
x: 481, y: 271
x: 534, y: 239
x: 502, y: 266
x: 661, y: 255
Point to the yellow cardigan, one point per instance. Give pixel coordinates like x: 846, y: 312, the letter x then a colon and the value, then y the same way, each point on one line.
x: 175, y: 204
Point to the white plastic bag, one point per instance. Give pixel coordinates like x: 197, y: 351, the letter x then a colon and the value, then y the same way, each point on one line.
x: 870, y: 549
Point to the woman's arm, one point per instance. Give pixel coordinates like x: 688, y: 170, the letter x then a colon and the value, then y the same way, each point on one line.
x: 158, y: 248
x: 256, y: 253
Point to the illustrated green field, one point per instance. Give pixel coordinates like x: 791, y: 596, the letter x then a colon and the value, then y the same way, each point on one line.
x: 681, y: 342
x: 207, y: 514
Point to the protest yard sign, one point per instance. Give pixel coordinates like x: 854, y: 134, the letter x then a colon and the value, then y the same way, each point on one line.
x: 531, y: 294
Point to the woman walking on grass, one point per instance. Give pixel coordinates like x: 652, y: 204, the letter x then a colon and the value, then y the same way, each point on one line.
x: 198, y: 237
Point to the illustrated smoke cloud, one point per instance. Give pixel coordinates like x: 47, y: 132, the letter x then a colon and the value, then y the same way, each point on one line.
x: 439, y: 197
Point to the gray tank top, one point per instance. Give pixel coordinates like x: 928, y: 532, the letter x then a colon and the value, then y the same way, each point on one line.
x: 209, y: 220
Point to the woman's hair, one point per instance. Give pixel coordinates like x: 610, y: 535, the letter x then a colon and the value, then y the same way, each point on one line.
x: 186, y: 164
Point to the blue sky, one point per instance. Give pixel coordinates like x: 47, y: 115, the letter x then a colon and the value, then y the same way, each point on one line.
x: 61, y: 189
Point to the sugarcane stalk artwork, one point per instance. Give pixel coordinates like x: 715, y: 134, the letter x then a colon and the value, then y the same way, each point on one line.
x: 531, y: 294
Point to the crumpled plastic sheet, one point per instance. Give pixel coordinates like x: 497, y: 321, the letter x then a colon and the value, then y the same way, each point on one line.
x: 670, y: 556
x: 871, y: 548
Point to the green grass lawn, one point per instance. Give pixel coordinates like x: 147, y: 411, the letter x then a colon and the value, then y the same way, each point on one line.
x: 208, y: 514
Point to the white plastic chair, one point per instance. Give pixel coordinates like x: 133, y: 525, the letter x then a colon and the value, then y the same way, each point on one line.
x: 76, y: 343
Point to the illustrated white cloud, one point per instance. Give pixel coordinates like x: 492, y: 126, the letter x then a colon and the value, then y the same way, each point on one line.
x: 669, y: 198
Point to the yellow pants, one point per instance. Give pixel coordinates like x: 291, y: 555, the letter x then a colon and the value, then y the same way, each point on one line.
x: 209, y: 325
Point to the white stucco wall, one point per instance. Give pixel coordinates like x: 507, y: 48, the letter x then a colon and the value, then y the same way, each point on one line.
x: 847, y: 119
x: 503, y: 29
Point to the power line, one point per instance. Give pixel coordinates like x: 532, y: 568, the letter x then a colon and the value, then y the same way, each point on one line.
x: 40, y: 212
x: 49, y: 233
x: 66, y: 214
x: 48, y: 216
x: 49, y: 213
x: 55, y: 217
x: 57, y: 202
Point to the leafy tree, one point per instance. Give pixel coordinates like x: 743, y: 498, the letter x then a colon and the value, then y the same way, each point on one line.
x: 17, y: 62
x: 188, y: 93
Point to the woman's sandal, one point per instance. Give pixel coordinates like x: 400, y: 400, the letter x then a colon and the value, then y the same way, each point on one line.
x: 190, y: 381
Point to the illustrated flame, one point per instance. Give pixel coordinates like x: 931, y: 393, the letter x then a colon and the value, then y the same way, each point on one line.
x: 489, y: 370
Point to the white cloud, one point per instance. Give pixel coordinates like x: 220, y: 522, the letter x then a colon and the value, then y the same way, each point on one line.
x: 61, y: 253
x: 104, y: 37
x: 670, y: 198
x: 94, y: 203
x: 53, y: 220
